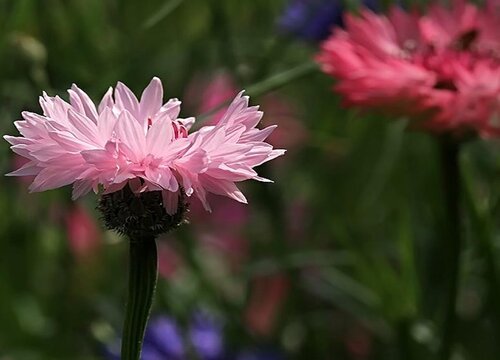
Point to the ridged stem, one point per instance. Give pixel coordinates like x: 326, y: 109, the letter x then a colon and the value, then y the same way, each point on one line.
x: 143, y: 275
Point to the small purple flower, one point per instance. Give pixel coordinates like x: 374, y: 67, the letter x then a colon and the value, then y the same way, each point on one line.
x: 313, y: 20
x: 163, y: 337
x: 205, y: 334
x: 165, y: 340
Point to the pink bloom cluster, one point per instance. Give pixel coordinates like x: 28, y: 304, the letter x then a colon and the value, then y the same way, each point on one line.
x: 441, y: 69
x: 142, y: 143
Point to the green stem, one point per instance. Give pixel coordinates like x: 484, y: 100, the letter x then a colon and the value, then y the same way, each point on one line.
x: 278, y: 80
x: 143, y: 275
x: 451, y: 178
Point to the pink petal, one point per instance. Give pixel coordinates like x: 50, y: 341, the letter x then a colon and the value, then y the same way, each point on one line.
x: 106, y: 124
x: 107, y: 101
x: 187, y: 123
x: 130, y: 132
x: 48, y: 152
x: 239, y: 103
x: 126, y: 100
x: 187, y: 182
x: 151, y: 99
x: 80, y: 188
x: 68, y: 141
x: 258, y: 135
x: 83, y: 125
x: 170, y: 202
x: 16, y: 140
x: 223, y: 187
x: 197, y: 162
x: 85, y: 104
x: 101, y: 159
x: 28, y: 169
x: 163, y: 178
x: 159, y: 136
x: 172, y: 108
x: 49, y: 179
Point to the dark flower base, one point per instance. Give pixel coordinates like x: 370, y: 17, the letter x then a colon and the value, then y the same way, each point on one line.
x: 140, y: 215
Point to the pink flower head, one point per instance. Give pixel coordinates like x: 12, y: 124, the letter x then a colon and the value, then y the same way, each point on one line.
x: 441, y: 69
x: 141, y: 143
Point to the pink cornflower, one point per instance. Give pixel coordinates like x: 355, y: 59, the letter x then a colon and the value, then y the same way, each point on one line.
x: 441, y: 69
x: 140, y: 143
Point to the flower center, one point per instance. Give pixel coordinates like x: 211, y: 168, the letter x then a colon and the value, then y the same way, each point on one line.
x: 150, y: 161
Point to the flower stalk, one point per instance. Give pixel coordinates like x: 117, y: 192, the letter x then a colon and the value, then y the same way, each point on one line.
x: 143, y: 275
x: 141, y: 218
x: 450, y: 150
x: 141, y: 154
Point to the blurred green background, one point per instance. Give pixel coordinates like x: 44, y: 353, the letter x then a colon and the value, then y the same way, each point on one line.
x: 340, y: 258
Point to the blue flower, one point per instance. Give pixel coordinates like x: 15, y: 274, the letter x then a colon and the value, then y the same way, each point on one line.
x: 312, y: 20
x: 165, y: 340
x: 206, y: 337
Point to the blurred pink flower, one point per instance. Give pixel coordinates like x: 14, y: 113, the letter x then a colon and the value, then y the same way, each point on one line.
x: 142, y: 143
x: 224, y: 230
x: 231, y: 245
x: 441, y: 69
x: 359, y: 342
x: 214, y: 92
x: 227, y: 214
x: 83, y: 233
x: 298, y: 219
x: 169, y: 260
x: 291, y: 133
x: 267, y: 296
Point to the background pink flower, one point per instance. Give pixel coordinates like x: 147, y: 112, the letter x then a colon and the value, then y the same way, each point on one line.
x: 441, y: 69
x: 206, y: 93
x: 83, y: 233
x: 291, y: 132
x: 169, y: 260
x: 267, y: 296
